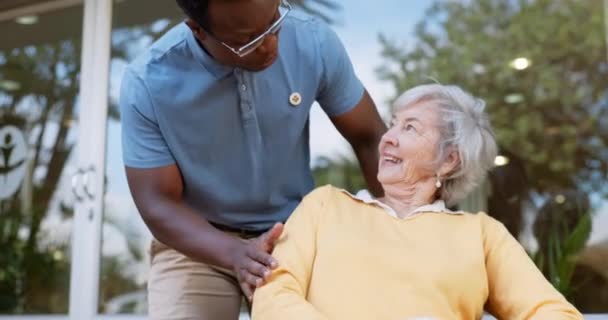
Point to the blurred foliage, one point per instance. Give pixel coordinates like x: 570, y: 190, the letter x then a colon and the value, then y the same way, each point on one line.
x: 550, y: 118
x: 553, y: 114
x: 114, y: 284
x: 34, y: 264
x: 562, y: 228
x: 343, y: 172
x: 36, y: 270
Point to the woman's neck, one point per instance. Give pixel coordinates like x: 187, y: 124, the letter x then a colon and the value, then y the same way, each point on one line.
x: 405, y: 197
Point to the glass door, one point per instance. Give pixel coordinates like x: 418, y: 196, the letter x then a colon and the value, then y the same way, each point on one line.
x: 86, y: 239
x: 40, y: 127
x: 54, y: 58
x: 124, y: 264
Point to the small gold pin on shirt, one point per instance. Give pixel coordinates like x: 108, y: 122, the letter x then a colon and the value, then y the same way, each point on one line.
x: 295, y: 99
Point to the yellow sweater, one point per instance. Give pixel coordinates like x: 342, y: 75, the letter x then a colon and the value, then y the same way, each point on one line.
x: 343, y: 259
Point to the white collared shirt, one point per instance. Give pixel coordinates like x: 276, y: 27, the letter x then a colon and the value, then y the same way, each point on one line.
x: 437, y: 206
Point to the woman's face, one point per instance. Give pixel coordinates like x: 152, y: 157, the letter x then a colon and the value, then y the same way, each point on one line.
x: 408, y: 149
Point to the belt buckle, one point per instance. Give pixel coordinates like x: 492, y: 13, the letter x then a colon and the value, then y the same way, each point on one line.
x: 247, y: 234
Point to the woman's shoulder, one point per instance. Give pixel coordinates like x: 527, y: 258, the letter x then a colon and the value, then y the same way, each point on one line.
x: 486, y: 224
x: 486, y: 220
x: 321, y: 195
x: 478, y: 220
x: 329, y: 196
x: 480, y: 217
x: 326, y: 191
x: 320, y: 192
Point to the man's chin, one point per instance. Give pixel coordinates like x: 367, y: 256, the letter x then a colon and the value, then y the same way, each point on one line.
x: 260, y: 66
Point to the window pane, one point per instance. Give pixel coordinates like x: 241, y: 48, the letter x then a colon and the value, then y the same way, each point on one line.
x: 136, y: 24
x: 39, y: 69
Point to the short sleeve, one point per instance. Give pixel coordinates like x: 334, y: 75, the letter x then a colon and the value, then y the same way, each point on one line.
x: 340, y: 89
x: 143, y: 144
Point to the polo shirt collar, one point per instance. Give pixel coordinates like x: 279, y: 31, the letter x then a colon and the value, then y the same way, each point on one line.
x: 216, y: 69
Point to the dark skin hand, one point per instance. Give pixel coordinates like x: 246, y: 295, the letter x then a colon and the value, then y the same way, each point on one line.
x: 158, y: 195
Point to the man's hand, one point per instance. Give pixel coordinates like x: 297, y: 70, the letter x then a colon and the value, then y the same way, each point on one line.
x: 253, y: 262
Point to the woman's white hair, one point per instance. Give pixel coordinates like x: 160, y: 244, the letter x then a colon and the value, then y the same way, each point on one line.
x: 464, y: 127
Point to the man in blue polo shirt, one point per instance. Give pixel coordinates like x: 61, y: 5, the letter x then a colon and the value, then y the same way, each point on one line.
x: 215, y: 139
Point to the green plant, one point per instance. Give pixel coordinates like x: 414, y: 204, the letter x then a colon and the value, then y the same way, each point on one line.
x: 559, y: 258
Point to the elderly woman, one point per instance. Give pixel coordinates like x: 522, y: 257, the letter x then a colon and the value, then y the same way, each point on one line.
x: 407, y: 256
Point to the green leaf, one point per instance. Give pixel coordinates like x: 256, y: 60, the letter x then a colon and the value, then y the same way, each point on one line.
x: 578, y: 238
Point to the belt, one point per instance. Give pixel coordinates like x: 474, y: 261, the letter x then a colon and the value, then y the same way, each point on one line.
x: 242, y: 233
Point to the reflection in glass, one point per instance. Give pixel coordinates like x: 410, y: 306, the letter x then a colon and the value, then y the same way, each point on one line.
x: 38, y: 107
x: 125, y: 237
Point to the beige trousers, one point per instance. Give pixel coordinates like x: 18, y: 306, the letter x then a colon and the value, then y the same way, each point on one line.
x: 182, y: 289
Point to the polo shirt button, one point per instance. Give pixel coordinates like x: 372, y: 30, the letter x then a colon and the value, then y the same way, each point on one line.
x: 243, y: 87
x: 295, y: 99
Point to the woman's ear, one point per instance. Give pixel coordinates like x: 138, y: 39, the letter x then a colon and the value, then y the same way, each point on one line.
x: 450, y: 163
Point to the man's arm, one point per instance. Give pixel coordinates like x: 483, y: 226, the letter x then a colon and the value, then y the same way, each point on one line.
x: 158, y: 196
x: 349, y: 106
x: 362, y: 127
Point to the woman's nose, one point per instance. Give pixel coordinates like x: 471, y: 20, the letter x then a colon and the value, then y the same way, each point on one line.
x: 390, y: 137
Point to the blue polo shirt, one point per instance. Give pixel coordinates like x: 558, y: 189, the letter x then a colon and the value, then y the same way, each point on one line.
x: 239, y: 138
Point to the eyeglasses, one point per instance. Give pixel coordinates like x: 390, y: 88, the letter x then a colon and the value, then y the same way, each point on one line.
x: 284, y: 9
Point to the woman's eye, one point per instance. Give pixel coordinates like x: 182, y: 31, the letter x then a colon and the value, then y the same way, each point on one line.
x: 409, y: 127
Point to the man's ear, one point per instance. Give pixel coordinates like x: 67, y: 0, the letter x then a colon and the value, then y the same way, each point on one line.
x: 196, y: 29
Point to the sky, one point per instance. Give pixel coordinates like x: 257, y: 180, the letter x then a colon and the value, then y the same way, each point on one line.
x: 359, y: 26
